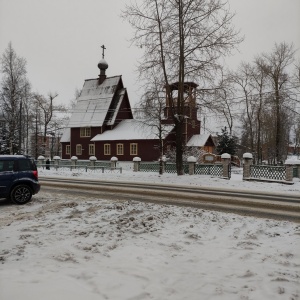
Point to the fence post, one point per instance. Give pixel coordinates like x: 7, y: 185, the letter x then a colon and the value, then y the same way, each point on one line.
x: 164, y: 162
x: 41, y: 160
x: 113, y: 162
x: 73, y: 162
x: 225, y: 157
x: 296, y: 164
x: 92, y: 161
x: 136, y: 164
x: 192, y: 162
x: 289, y: 171
x: 56, y: 162
x: 289, y: 166
x: 248, y: 160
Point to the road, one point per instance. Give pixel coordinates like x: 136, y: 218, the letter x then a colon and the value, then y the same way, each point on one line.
x: 259, y: 204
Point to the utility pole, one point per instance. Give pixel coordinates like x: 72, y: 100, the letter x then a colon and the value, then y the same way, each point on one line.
x: 36, y: 133
x: 20, y: 128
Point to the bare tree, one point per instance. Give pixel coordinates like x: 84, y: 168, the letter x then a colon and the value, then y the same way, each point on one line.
x: 260, y: 84
x: 275, y: 66
x: 46, y: 108
x: 242, y: 79
x: 152, y: 107
x: 224, y: 102
x: 183, y: 41
x: 14, y: 87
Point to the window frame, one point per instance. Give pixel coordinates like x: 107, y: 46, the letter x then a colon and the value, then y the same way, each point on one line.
x: 78, y: 146
x: 131, y: 148
x: 106, y: 149
x: 120, y: 149
x: 85, y: 131
x: 91, y: 149
x: 68, y: 149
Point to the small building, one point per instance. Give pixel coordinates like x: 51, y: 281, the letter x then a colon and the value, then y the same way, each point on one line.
x: 202, y: 142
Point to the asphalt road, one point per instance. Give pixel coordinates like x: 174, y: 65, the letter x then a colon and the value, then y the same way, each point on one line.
x: 259, y: 204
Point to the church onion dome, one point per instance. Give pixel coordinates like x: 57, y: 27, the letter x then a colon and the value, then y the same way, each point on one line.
x: 102, y: 65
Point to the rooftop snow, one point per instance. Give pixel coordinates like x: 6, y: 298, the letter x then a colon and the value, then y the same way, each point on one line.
x: 93, y: 103
x: 130, y: 130
x: 198, y: 140
x: 66, y: 136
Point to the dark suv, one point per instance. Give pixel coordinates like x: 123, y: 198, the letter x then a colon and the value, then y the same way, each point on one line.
x: 18, y: 178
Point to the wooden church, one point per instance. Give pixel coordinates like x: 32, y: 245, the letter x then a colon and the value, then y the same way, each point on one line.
x: 102, y: 123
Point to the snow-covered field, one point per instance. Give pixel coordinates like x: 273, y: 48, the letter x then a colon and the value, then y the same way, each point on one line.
x: 75, y: 247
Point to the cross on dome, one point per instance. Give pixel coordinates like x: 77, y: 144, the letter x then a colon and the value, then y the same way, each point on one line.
x: 103, y: 48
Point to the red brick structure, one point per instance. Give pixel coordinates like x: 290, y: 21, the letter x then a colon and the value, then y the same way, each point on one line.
x: 102, y: 123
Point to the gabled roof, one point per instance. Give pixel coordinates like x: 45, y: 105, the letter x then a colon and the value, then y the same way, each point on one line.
x: 94, y: 102
x: 66, y: 136
x: 198, y: 140
x: 116, y: 106
x: 131, y: 129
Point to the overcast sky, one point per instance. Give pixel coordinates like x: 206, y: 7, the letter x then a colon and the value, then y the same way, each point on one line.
x: 61, y: 39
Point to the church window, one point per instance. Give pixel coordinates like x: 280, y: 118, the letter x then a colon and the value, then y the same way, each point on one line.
x: 78, y: 149
x: 68, y: 149
x: 91, y: 149
x: 133, y: 149
x: 106, y: 149
x: 120, y: 149
x: 85, y: 131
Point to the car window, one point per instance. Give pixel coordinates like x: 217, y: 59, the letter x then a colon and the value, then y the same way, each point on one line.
x: 6, y: 165
x: 24, y: 165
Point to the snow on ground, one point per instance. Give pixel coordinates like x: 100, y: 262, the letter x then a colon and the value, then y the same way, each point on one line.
x: 73, y: 247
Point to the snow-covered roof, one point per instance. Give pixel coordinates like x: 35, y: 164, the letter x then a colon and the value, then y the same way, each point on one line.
x: 66, y: 136
x: 94, y: 102
x: 119, y: 99
x: 198, y: 140
x: 130, y: 129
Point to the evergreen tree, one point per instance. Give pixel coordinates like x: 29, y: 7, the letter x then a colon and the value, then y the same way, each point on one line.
x: 226, y: 143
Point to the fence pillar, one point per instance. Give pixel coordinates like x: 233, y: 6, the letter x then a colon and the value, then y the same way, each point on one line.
x: 248, y: 161
x: 41, y: 160
x: 73, y: 162
x: 56, y: 161
x: 225, y: 162
x: 192, y: 162
x: 295, y: 163
x: 164, y: 162
x: 93, y: 160
x: 289, y: 171
x: 113, y: 162
x: 291, y: 163
x: 136, y: 164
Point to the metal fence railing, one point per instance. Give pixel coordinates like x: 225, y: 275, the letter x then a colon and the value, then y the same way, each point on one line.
x: 213, y: 170
x: 171, y: 168
x: 83, y: 168
x: 149, y: 167
x: 295, y: 172
x: 268, y: 172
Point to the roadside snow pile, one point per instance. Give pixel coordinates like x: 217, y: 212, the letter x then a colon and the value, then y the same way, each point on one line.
x: 74, y: 247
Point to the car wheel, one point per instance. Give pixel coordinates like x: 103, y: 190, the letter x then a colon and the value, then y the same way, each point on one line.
x: 21, y: 194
